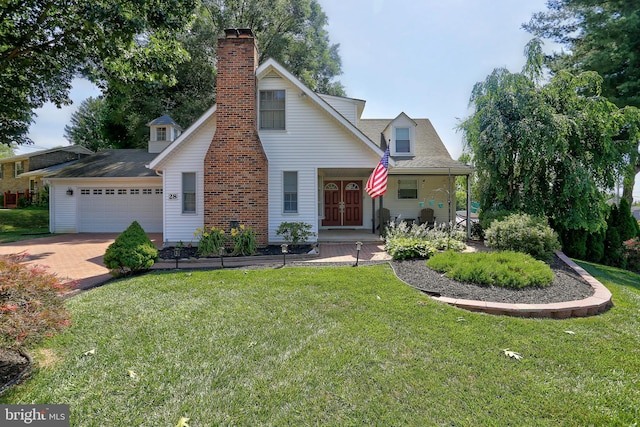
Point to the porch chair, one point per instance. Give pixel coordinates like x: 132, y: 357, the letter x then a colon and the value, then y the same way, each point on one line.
x: 427, y: 216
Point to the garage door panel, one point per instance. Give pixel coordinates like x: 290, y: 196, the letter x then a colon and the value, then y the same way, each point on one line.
x: 110, y: 210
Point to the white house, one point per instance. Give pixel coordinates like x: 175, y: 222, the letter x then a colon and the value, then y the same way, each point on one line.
x: 271, y: 150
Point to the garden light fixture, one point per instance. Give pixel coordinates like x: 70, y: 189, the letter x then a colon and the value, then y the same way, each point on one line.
x: 285, y: 249
x: 358, y: 248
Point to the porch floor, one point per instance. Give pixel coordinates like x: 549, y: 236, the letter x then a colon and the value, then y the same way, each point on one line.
x: 348, y: 236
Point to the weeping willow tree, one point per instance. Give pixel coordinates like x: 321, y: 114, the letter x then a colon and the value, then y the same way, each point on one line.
x: 548, y: 147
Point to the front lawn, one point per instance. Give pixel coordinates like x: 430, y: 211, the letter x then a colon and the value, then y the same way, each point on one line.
x: 21, y: 224
x: 330, y: 346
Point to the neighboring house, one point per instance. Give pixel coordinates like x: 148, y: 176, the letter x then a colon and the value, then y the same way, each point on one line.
x: 269, y: 151
x: 23, y: 175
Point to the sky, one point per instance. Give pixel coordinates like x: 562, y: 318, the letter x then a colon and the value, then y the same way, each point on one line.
x: 420, y: 57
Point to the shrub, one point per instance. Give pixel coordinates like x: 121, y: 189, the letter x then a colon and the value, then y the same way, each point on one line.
x: 209, y: 241
x: 631, y: 249
x: 295, y: 233
x: 405, y: 241
x: 131, y: 253
x: 505, y: 269
x: 488, y: 217
x: 23, y: 202
x: 244, y: 240
x: 523, y: 233
x: 31, y: 307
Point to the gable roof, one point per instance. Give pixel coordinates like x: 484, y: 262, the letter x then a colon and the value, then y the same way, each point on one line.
x: 69, y: 148
x: 431, y: 155
x: 270, y: 66
x: 116, y: 163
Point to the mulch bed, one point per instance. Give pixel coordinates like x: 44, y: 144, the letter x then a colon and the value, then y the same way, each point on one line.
x: 13, y: 366
x: 192, y: 252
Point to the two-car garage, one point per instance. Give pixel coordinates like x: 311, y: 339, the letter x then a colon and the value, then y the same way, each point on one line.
x: 111, y: 209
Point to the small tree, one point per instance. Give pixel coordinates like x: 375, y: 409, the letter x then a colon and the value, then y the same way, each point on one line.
x: 131, y: 253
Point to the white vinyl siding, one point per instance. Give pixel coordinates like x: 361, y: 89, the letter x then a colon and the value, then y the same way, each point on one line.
x: 313, y: 141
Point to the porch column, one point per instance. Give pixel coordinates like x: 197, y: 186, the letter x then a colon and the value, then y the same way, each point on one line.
x: 468, y: 206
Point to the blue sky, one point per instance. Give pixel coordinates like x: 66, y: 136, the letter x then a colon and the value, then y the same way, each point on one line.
x: 421, y: 57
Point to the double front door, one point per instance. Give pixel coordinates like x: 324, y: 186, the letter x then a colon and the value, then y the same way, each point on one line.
x: 342, y: 203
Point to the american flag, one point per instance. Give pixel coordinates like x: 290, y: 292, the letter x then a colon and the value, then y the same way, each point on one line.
x: 377, y: 182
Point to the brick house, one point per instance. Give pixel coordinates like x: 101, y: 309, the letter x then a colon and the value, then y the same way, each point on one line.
x: 23, y: 175
x: 270, y: 150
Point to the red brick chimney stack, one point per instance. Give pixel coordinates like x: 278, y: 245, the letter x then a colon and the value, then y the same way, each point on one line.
x: 235, y: 166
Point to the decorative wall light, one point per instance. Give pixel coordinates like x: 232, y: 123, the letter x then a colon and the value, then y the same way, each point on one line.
x: 69, y: 191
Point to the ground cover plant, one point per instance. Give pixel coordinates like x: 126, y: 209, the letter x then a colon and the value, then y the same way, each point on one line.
x: 505, y: 268
x: 21, y: 224
x: 330, y: 346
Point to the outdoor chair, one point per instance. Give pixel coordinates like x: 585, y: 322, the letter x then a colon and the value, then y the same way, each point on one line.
x: 427, y: 217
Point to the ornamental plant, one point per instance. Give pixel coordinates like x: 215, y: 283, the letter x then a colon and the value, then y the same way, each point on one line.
x: 31, y: 303
x: 631, y: 249
x: 406, y: 241
x: 132, y: 252
x: 523, y: 233
x: 209, y: 241
x: 244, y: 239
x: 295, y: 233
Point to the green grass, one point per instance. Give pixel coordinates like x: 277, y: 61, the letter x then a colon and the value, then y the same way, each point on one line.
x: 21, y: 224
x: 332, y: 346
x: 504, y: 268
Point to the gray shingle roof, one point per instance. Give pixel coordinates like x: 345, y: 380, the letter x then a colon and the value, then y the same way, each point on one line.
x: 121, y: 163
x: 164, y: 120
x: 430, y: 152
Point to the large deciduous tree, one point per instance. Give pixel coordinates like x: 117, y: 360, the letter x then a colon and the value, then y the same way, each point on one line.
x: 601, y: 36
x: 44, y: 44
x: 290, y: 31
x: 548, y: 149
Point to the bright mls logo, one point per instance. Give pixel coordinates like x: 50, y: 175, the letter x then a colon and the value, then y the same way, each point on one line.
x: 34, y: 415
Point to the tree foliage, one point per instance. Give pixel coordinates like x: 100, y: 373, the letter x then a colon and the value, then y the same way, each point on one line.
x: 548, y: 149
x: 290, y: 31
x: 45, y: 43
x: 601, y: 36
x: 87, y: 126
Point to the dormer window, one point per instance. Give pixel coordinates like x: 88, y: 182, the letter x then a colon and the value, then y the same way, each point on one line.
x: 403, y: 141
x: 272, y: 111
x: 161, y: 134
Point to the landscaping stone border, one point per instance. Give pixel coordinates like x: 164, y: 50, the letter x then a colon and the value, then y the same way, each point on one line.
x: 598, y: 303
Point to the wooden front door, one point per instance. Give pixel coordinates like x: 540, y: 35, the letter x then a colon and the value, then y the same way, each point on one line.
x: 342, y: 203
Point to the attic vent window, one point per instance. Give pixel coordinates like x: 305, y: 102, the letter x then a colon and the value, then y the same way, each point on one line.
x: 272, y: 109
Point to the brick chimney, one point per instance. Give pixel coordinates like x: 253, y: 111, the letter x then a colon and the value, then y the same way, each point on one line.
x: 235, y: 166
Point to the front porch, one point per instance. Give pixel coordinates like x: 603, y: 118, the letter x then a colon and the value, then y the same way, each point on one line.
x: 348, y: 236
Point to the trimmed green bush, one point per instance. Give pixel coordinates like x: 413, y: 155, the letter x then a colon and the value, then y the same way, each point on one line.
x: 131, y: 253
x: 31, y: 306
x: 523, y: 233
x: 505, y: 269
x: 295, y: 233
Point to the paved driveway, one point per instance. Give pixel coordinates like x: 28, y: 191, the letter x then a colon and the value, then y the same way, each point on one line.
x: 72, y: 257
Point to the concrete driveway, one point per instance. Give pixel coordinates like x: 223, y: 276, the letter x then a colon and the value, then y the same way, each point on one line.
x: 71, y: 257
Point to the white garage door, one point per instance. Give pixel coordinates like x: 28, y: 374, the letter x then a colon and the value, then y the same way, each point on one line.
x: 112, y: 210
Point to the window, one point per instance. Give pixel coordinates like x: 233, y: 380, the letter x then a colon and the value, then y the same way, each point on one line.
x: 97, y: 191
x: 146, y: 191
x: 158, y: 190
x: 407, y: 189
x: 1, y: 167
x: 403, y: 141
x: 110, y: 191
x: 19, y: 168
x: 122, y: 191
x: 161, y: 134
x: 85, y: 191
x: 290, y: 187
x: 272, y: 109
x: 188, y: 192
